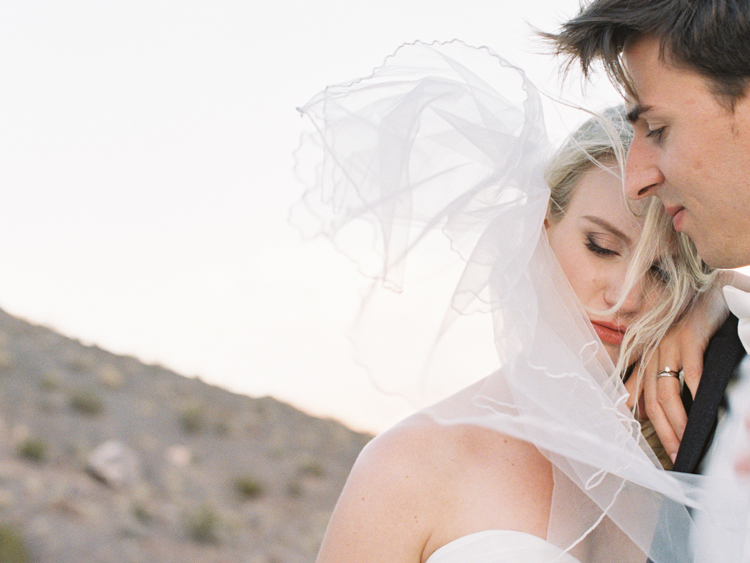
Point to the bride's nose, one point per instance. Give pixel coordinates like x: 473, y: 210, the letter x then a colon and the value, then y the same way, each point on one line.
x: 633, y: 302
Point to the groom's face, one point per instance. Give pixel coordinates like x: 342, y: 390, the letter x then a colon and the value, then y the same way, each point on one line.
x: 692, y: 152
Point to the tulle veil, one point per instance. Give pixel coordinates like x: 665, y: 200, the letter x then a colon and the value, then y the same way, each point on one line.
x: 429, y: 173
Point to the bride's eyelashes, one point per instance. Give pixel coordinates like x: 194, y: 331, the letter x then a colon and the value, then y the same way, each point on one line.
x: 597, y: 247
x: 659, y: 273
x: 594, y: 243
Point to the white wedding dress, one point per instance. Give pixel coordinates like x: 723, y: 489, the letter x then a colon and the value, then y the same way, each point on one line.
x: 500, y: 546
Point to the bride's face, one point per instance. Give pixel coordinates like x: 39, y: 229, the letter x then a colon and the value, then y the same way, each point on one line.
x: 594, y: 243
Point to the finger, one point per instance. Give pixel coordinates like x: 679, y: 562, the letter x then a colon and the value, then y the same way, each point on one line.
x: 670, y: 401
x: 668, y: 387
x: 668, y: 390
x: 655, y: 408
x: 692, y: 366
x: 634, y: 392
x: 635, y: 396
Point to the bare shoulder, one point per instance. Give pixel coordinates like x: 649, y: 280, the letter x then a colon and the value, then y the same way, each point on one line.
x: 490, y: 481
x: 418, y: 455
x: 414, y: 447
x: 390, y: 502
x: 406, y: 463
x: 422, y: 484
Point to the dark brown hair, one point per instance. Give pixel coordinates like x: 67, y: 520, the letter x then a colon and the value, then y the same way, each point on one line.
x: 711, y: 37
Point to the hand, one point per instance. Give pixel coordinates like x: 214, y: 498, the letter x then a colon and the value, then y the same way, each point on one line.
x: 681, y: 348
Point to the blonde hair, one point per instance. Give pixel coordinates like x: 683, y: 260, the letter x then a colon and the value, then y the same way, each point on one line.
x: 661, y: 252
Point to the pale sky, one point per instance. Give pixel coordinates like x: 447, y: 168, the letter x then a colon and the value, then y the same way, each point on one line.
x: 146, y: 176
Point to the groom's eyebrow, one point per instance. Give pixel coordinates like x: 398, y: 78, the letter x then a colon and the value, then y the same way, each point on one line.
x: 609, y: 227
x: 633, y: 115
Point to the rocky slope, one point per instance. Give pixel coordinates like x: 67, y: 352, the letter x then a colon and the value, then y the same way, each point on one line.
x: 104, y: 459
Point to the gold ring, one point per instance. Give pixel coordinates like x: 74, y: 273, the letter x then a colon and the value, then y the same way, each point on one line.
x: 668, y: 372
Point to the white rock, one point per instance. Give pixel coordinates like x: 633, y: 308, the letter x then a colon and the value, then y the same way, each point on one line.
x: 179, y: 455
x: 114, y: 463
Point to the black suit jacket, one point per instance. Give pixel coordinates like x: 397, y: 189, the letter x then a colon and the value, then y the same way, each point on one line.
x: 723, y: 354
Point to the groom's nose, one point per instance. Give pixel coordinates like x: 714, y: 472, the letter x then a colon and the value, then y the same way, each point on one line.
x: 642, y: 174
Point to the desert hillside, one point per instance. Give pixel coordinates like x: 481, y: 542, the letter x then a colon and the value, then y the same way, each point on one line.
x: 104, y: 459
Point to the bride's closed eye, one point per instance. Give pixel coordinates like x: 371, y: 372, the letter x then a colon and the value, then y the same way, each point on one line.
x: 598, y: 247
x: 659, y: 273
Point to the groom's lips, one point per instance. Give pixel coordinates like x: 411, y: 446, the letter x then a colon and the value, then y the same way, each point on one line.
x: 676, y: 213
x: 611, y: 333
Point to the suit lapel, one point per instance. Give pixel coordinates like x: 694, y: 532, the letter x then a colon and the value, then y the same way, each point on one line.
x: 723, y: 354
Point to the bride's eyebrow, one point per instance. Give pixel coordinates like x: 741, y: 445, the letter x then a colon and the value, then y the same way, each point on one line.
x: 609, y: 227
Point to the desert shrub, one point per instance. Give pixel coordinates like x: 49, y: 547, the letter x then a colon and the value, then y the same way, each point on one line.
x: 33, y: 450
x: 81, y: 362
x: 311, y: 468
x: 248, y: 487
x: 86, y: 402
x: 203, y: 525
x: 223, y: 428
x: 191, y: 419
x: 294, y: 488
x: 50, y: 382
x: 12, y: 546
x: 141, y: 513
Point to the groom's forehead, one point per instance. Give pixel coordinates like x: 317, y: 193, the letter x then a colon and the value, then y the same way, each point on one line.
x: 656, y: 83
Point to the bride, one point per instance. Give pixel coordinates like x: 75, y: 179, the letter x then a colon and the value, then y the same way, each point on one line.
x: 541, y: 460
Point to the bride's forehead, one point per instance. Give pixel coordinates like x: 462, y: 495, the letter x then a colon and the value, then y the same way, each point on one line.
x: 600, y: 187
x: 599, y: 193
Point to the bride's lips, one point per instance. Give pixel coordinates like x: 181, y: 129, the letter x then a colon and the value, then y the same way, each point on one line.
x: 611, y: 333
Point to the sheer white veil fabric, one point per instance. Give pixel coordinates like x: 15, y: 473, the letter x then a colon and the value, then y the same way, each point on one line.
x: 446, y: 143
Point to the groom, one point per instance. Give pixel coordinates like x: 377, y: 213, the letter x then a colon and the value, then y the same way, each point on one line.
x: 684, y: 69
